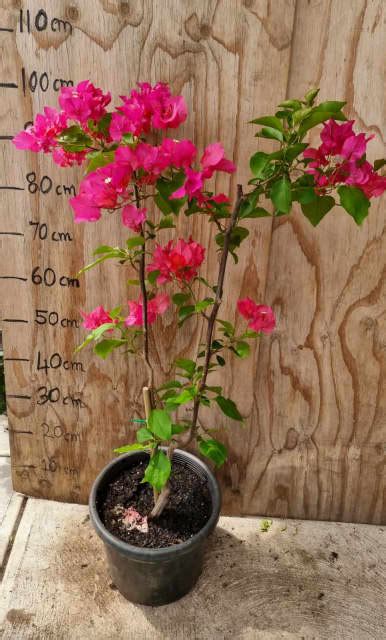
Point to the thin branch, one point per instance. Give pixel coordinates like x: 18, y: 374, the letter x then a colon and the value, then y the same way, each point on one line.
x: 163, y: 497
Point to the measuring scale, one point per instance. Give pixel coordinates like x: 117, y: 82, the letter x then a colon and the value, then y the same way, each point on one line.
x: 66, y: 412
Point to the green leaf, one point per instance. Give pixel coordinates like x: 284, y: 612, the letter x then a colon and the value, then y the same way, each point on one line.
x: 179, y: 428
x: 115, y: 253
x: 281, y: 194
x: 294, y: 150
x: 331, y: 106
x: 104, y: 248
x: 74, y: 139
x: 160, y: 424
x: 378, y: 164
x: 171, y: 384
x: 354, y: 202
x: 203, y: 304
x: 166, y: 223
x: 103, y: 125
x: 186, y: 396
x: 227, y: 327
x: 242, y: 349
x: 291, y: 104
x: 271, y: 133
x: 180, y: 298
x: 153, y: 275
x: 229, y: 408
x: 220, y: 361
x: 165, y: 189
x: 258, y: 212
x: 310, y: 96
x: 317, y: 209
x: 186, y: 365
x: 213, y: 450
x: 258, y: 163
x: 304, y: 195
x: 185, y: 312
x: 301, y: 114
x: 99, y: 159
x: 144, y: 435
x: 136, y: 241
x: 105, y: 347
x: 317, y: 117
x: 158, y: 470
x: 269, y: 121
x: 131, y: 447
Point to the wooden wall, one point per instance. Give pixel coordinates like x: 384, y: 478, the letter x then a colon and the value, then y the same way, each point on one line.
x: 314, y: 392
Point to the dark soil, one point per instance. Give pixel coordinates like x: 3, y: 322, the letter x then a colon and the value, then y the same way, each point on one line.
x: 187, y: 511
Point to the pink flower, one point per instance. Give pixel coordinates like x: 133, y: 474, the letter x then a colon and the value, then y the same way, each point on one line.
x: 221, y: 198
x: 178, y: 153
x: 133, y: 217
x: 145, y: 108
x: 84, y: 102
x: 180, y: 261
x: 192, y: 186
x: 259, y: 316
x: 155, y: 307
x: 84, y: 209
x: 365, y: 178
x: 334, y: 135
x: 213, y: 159
x: 170, y: 113
x: 42, y: 135
x: 96, y: 318
x: 100, y: 189
x: 66, y: 158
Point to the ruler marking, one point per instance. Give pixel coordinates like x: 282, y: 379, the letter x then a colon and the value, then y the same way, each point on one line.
x: 14, y: 320
x: 13, y: 278
x: 11, y: 233
x: 20, y: 397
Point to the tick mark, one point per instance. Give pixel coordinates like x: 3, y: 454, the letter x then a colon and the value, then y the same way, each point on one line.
x: 11, y: 233
x: 6, y: 137
x: 15, y: 320
x: 16, y: 360
x: 11, y: 188
x: 13, y: 278
x: 6, y: 29
x: 27, y: 433
x: 20, y: 397
x: 8, y: 85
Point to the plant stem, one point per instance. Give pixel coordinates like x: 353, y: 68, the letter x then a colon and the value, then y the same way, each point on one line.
x: 164, y: 495
x: 142, y: 281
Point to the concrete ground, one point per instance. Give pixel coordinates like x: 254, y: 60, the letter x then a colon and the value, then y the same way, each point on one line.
x: 282, y: 579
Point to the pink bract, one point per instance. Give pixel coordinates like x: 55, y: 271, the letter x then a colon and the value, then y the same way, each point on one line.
x: 84, y: 102
x: 181, y: 261
x: 41, y: 136
x: 260, y: 317
x: 96, y: 318
x: 132, y: 217
x: 155, y: 307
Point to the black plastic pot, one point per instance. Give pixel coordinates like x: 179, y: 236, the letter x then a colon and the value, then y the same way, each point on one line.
x: 154, y: 576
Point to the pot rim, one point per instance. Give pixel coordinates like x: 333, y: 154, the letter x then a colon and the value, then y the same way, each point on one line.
x: 145, y: 554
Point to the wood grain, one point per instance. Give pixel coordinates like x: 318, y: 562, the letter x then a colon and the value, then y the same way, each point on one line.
x: 318, y: 450
x: 298, y: 580
x: 313, y: 395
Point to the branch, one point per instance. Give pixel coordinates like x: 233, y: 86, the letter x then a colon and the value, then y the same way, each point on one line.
x: 142, y: 281
x: 164, y: 495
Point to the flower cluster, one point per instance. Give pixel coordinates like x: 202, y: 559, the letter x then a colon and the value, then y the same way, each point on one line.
x: 150, y: 107
x: 259, y: 316
x: 341, y: 159
x: 180, y: 260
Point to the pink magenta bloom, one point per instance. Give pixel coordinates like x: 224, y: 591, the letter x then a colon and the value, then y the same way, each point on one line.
x: 178, y: 153
x: 84, y: 102
x: 170, y: 113
x: 96, y: 318
x: 66, y: 158
x: 146, y: 108
x: 181, y: 261
x: 213, y: 159
x: 259, y: 316
x: 155, y: 307
x: 101, y: 189
x: 133, y: 217
x: 340, y: 159
x: 42, y: 135
x: 192, y: 186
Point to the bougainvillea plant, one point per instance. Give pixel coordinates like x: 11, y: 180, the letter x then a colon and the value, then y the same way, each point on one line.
x: 125, y: 170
